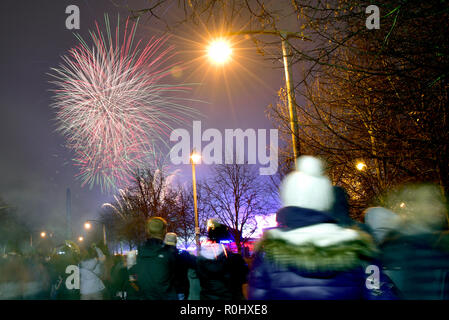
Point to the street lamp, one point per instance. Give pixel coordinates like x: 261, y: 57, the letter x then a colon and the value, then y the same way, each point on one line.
x: 43, y: 234
x: 88, y: 226
x: 219, y: 51
x: 360, y: 166
x: 195, y: 158
x: 80, y: 239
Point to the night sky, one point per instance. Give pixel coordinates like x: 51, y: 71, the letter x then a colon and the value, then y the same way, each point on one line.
x: 35, y: 167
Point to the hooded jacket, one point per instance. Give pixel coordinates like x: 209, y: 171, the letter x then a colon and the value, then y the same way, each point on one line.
x: 221, y: 273
x: 310, y: 257
x: 155, y: 271
x: 419, y: 264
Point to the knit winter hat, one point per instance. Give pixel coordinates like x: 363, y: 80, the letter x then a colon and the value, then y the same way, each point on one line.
x: 307, y: 187
x: 171, y: 239
x: 157, y: 227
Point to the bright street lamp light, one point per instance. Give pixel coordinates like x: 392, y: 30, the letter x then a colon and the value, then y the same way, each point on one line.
x: 80, y: 239
x: 360, y: 166
x: 219, y: 51
x: 43, y: 234
x: 195, y: 158
x: 88, y: 226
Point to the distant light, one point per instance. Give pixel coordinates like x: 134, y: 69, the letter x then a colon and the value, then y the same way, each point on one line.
x: 43, y: 234
x: 87, y: 226
x: 80, y: 239
x: 360, y: 166
x: 264, y: 222
x: 195, y: 157
x: 402, y: 205
x: 219, y: 51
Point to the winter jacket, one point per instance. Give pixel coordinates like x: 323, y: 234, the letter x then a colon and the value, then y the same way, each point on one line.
x: 155, y: 271
x: 340, y: 211
x: 221, y: 273
x: 119, y: 279
x: 312, y: 258
x: 418, y: 264
x: 194, y: 285
x: 184, y: 262
x: 90, y: 272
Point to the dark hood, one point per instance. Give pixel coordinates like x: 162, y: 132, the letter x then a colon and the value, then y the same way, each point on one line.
x: 152, y: 247
x: 295, y: 217
x: 340, y: 209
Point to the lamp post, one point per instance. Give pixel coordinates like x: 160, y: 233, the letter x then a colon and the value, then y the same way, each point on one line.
x: 88, y: 226
x: 286, y: 58
x: 220, y: 54
x: 194, y: 159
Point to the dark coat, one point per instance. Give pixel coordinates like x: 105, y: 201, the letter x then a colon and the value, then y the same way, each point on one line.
x: 221, y: 277
x: 340, y: 210
x: 119, y: 279
x: 285, y: 271
x: 155, y: 271
x: 184, y: 262
x: 419, y: 264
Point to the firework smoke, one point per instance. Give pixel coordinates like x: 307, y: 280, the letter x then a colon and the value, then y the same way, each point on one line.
x: 111, y: 105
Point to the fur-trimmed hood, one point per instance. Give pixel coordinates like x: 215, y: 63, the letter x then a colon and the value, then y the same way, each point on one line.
x: 319, y: 247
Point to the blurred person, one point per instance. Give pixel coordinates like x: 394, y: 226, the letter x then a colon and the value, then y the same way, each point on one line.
x: 184, y: 262
x: 194, y: 285
x: 418, y: 249
x: 221, y: 272
x: 37, y: 285
x: 381, y: 222
x: 131, y: 288
x: 156, y: 264
x: 63, y: 256
x: 13, y: 276
x: 118, y: 278
x: 340, y: 210
x: 309, y: 256
x: 91, y: 270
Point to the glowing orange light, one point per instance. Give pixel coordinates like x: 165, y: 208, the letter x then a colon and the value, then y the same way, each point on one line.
x: 219, y: 51
x: 195, y: 157
x: 360, y: 166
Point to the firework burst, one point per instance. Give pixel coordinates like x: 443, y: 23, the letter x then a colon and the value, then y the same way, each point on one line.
x: 111, y: 105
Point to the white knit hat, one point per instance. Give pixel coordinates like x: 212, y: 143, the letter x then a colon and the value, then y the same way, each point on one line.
x: 307, y: 187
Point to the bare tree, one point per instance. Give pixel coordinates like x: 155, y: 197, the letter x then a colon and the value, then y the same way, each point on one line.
x: 150, y: 195
x: 236, y: 194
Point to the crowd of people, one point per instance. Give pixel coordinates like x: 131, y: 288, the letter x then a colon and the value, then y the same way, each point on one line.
x: 316, y: 252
